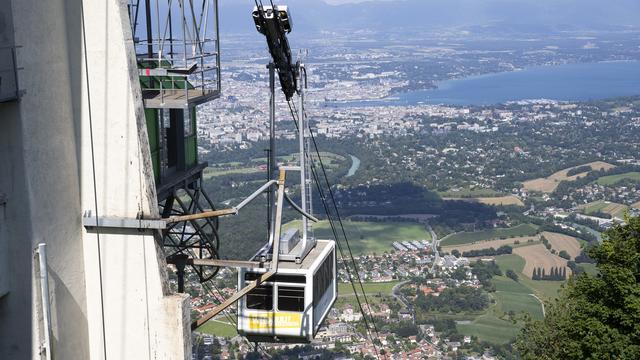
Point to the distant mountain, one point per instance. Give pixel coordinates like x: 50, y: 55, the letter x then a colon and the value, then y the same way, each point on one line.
x: 529, y: 15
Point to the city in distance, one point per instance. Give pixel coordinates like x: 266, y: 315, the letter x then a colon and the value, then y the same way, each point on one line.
x: 506, y: 133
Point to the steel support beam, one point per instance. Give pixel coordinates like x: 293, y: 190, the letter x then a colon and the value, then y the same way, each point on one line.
x: 274, y: 262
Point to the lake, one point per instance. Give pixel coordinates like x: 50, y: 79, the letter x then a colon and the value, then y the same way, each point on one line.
x: 570, y: 82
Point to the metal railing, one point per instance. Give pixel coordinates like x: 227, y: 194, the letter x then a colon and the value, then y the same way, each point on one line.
x: 184, y: 53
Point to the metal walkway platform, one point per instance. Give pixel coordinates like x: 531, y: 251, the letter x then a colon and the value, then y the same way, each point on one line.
x: 180, y: 98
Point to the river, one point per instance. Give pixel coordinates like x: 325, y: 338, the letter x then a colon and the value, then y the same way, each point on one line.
x: 355, y: 164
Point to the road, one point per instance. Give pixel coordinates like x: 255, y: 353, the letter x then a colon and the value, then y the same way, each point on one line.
x: 396, y: 293
x: 435, y: 242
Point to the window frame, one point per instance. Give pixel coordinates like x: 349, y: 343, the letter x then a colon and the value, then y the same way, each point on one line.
x: 290, y: 287
x: 262, y: 286
x: 326, y: 268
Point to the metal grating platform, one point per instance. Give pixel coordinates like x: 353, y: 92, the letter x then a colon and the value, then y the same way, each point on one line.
x: 174, y: 99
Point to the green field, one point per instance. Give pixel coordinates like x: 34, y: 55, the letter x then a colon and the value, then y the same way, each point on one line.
x: 374, y: 299
x: 470, y: 237
x: 613, y: 179
x: 519, y: 303
x: 510, y: 261
x: 490, y: 328
x: 384, y: 288
x: 470, y: 193
x: 590, y: 269
x: 218, y: 328
x: 494, y: 326
x: 507, y: 285
x: 613, y: 209
x: 545, y: 290
x: 212, y: 172
x: 370, y: 237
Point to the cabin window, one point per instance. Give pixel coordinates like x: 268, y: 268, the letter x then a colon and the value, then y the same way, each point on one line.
x: 323, y: 279
x: 290, y: 298
x: 260, y: 298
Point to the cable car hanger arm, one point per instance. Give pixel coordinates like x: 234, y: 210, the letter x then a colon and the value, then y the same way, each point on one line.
x: 124, y: 225
x: 216, y: 213
x: 298, y: 209
x: 274, y: 262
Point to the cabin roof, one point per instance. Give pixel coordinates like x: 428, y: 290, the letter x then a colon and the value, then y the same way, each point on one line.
x: 307, y: 263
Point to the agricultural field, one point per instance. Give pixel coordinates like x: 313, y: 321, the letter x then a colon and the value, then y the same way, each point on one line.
x: 347, y: 298
x: 518, y: 303
x: 218, y: 327
x: 545, y: 290
x: 494, y: 326
x: 462, y: 193
x: 614, y: 179
x: 590, y: 269
x: 541, y: 184
x: 522, y: 240
x: 383, y: 288
x: 501, y: 200
x: 561, y: 242
x: 211, y: 172
x: 370, y: 237
x: 499, y: 233
x: 549, y: 184
x: 611, y: 208
x: 537, y: 256
x: 505, y: 200
x: 490, y: 328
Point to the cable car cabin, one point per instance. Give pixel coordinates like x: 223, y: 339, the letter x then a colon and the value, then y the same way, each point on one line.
x: 293, y: 303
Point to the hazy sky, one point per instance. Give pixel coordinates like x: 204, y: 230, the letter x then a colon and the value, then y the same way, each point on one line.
x: 334, y: 2
x: 525, y: 15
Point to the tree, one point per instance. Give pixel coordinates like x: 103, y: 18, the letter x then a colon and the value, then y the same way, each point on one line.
x: 565, y: 255
x: 595, y: 317
x: 511, y: 274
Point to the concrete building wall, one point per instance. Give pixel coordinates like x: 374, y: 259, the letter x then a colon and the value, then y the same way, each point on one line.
x: 40, y: 181
x: 116, y: 305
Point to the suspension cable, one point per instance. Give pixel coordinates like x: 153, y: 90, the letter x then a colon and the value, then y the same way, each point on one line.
x: 344, y: 233
x: 335, y: 233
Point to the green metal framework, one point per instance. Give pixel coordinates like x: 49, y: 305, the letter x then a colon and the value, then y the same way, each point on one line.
x: 177, y: 50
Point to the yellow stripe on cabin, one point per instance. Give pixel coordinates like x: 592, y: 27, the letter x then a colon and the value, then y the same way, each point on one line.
x: 282, y: 320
